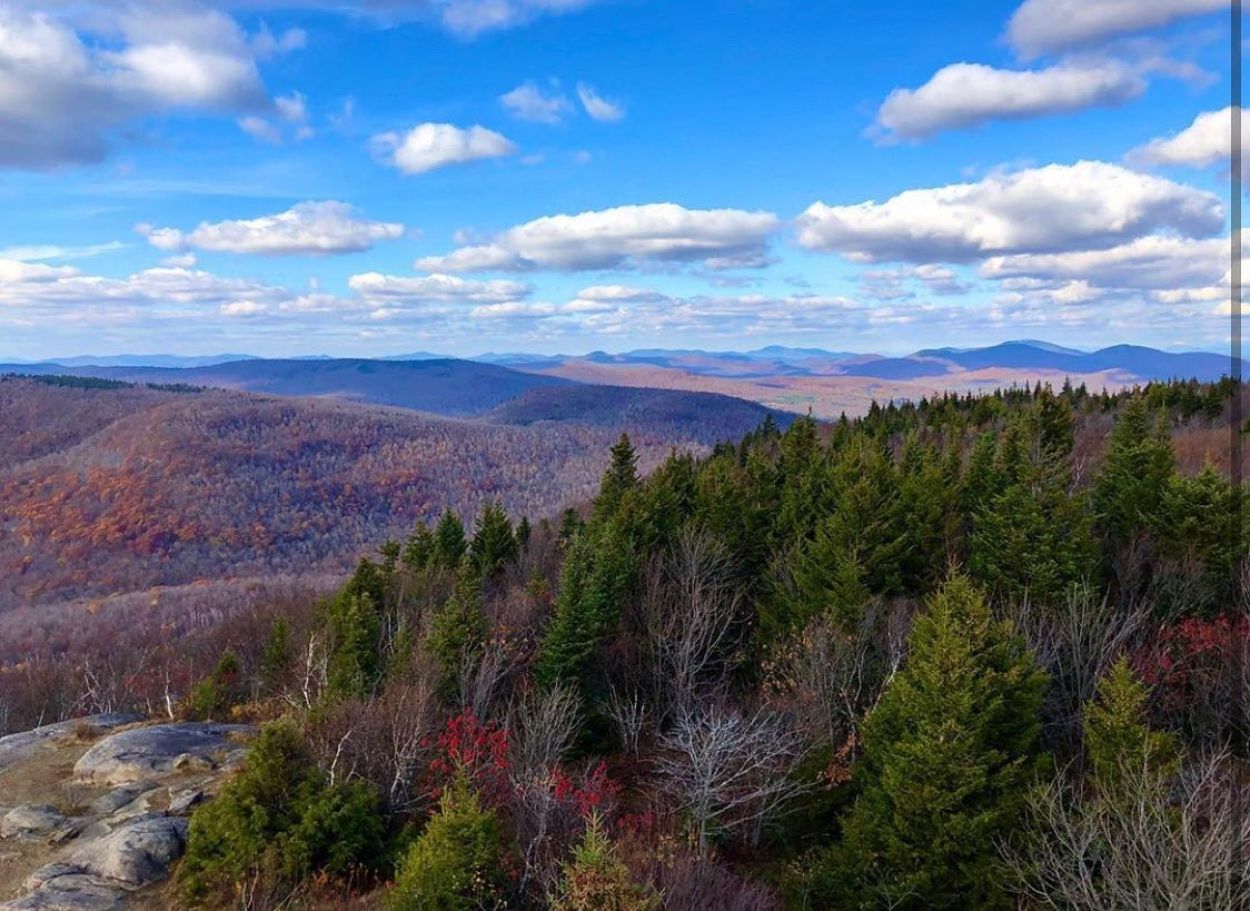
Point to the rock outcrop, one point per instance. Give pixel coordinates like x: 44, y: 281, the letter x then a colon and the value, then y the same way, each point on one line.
x: 135, y: 788
x: 144, y: 753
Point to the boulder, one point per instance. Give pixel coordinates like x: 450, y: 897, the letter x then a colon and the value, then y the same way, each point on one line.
x: 133, y: 854
x: 182, y: 801
x: 60, y: 888
x: 31, y: 821
x: 110, y: 802
x: 16, y: 747
x: 158, y: 751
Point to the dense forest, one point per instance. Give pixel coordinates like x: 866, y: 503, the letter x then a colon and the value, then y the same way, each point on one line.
x: 108, y: 488
x: 970, y: 652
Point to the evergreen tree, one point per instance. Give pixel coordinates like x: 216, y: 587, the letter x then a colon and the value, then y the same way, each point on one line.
x: 418, y: 548
x: 570, y: 526
x: 494, y: 545
x: 1129, y: 487
x: 948, y: 751
x: 354, y: 663
x: 449, y: 541
x: 595, y: 581
x: 280, y: 817
x: 620, y: 478
x: 458, y: 631
x: 1117, y: 739
x: 457, y: 863
x: 596, y: 880
x: 277, y: 654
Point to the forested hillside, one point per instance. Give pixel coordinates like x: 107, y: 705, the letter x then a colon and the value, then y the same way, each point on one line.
x: 107, y: 487
x: 967, y: 653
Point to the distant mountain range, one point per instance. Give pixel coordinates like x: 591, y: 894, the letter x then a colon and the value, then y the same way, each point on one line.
x: 1134, y: 362
x: 445, y: 387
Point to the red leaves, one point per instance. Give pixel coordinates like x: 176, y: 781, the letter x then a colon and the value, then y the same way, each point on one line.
x: 479, y: 751
x: 595, y: 792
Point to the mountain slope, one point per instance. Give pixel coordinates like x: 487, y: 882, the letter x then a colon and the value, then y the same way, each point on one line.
x: 122, y: 489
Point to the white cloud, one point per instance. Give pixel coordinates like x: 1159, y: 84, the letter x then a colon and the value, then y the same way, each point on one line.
x: 527, y: 102
x: 970, y: 94
x: 63, y: 94
x: 1205, y: 142
x: 598, y: 107
x: 374, y: 286
x: 1147, y: 263
x: 1055, y: 208
x: 623, y: 237
x: 469, y: 18
x: 260, y: 128
x: 307, y: 228
x: 243, y: 308
x: 436, y: 145
x: 38, y: 252
x: 1046, y: 26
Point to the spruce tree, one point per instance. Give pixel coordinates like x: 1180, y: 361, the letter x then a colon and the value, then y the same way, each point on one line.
x: 1117, y: 740
x: 620, y: 478
x: 1129, y: 487
x: 459, y: 629
x: 594, y: 583
x: 948, y: 752
x: 449, y: 541
x: 494, y: 545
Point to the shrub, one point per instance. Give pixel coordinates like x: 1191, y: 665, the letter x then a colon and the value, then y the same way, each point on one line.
x: 282, y: 819
x: 457, y: 862
x: 596, y: 879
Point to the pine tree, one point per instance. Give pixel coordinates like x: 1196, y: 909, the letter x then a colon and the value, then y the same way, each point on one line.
x: 494, y: 545
x: 596, y: 880
x: 1117, y: 739
x: 620, y: 478
x: 449, y: 541
x: 948, y: 751
x: 596, y: 579
x: 1135, y: 471
x: 457, y: 864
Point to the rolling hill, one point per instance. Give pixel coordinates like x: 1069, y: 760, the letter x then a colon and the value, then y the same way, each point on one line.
x: 105, y: 491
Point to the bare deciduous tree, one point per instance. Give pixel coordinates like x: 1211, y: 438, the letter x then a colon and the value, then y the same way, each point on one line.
x: 542, y: 727
x: 1155, y: 844
x: 630, y: 716
x: 1076, y: 641
x: 731, y: 772
x: 693, y: 613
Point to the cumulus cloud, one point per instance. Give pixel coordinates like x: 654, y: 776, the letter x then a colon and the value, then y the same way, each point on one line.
x: 436, y: 145
x: 318, y: 228
x: 65, y: 91
x: 375, y: 286
x: 1147, y: 263
x: 597, y: 107
x: 1205, y: 142
x: 970, y: 94
x: 623, y: 237
x: 527, y: 102
x: 1087, y: 205
x: 1047, y: 26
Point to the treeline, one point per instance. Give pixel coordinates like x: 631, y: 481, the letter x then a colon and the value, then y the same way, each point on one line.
x: 969, y: 652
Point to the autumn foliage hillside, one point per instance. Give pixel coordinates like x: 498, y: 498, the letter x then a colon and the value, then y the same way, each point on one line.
x: 107, y: 490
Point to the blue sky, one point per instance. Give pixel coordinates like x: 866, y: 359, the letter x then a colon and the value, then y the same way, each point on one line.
x: 564, y: 175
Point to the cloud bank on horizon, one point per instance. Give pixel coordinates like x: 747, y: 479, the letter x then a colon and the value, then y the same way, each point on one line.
x: 284, y: 176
